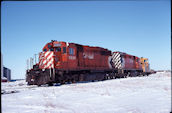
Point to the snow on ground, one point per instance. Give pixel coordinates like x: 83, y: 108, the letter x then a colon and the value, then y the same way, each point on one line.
x: 149, y: 94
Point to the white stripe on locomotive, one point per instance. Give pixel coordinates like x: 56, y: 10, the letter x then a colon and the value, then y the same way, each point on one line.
x: 49, y: 63
x: 117, y: 61
x: 117, y: 54
x: 46, y: 60
x: 47, y: 57
x: 116, y: 58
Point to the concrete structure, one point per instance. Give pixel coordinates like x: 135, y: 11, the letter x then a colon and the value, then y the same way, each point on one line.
x: 7, y: 73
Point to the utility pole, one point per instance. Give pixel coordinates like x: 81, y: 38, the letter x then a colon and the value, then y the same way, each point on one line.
x: 27, y: 64
x: 31, y: 62
x: 35, y: 58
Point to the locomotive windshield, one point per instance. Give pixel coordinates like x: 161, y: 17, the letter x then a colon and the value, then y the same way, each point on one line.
x: 52, y: 49
x: 45, y: 50
x: 64, y: 49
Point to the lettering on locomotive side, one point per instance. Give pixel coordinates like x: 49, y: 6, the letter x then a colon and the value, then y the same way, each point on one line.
x: 88, y: 55
x: 72, y: 57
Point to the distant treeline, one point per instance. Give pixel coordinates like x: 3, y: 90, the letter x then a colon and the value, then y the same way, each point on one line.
x: 163, y: 71
x: 15, y: 80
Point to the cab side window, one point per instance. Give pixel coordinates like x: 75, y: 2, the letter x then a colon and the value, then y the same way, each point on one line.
x: 71, y: 51
x: 64, y: 49
x: 137, y: 60
x: 58, y: 49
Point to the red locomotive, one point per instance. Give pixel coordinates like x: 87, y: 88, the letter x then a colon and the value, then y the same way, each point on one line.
x: 71, y: 56
x: 127, y: 64
x: 61, y: 62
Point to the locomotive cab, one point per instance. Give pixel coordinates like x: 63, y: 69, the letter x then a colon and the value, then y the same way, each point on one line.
x: 145, y: 64
x: 54, y: 54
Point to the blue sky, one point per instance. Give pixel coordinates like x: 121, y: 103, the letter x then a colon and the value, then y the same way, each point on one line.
x: 140, y: 28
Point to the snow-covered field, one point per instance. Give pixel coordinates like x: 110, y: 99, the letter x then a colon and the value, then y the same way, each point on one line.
x: 150, y: 94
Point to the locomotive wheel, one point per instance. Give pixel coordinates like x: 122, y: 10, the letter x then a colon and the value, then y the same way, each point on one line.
x: 106, y: 77
x: 81, y: 77
x: 50, y: 84
x: 68, y: 81
x: 73, y: 80
x: 62, y: 82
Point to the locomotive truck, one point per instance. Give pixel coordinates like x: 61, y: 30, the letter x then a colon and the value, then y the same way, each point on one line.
x: 61, y: 62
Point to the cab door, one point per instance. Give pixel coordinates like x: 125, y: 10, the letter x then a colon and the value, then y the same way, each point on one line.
x: 64, y: 57
x: 72, y: 60
x: 57, y: 56
x: 64, y: 54
x: 79, y: 56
